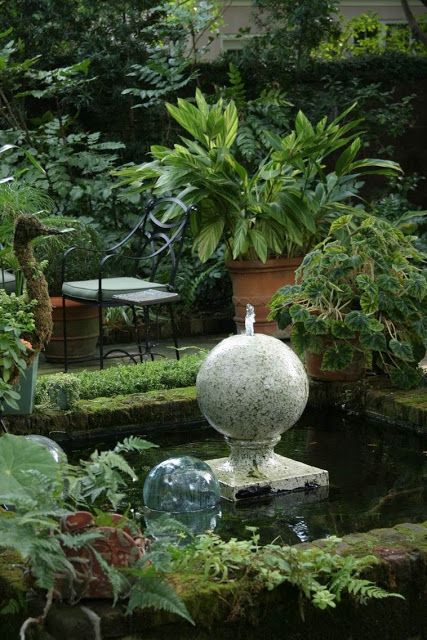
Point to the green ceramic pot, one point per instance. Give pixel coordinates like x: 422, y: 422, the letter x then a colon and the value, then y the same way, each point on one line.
x: 26, y: 387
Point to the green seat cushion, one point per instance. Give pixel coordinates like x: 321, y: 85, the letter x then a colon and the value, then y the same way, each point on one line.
x: 88, y: 289
x: 7, y: 281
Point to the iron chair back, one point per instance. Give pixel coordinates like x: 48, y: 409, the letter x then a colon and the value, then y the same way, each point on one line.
x: 156, y: 237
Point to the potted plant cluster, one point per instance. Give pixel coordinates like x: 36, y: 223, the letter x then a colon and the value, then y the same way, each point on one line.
x: 267, y: 219
x: 18, y: 359
x: 361, y: 298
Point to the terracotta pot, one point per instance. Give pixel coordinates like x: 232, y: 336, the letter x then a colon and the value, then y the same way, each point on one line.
x: 354, y: 371
x: 117, y: 546
x: 254, y: 282
x: 82, y: 331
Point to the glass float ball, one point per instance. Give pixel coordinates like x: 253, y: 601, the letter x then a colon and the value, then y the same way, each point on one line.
x: 252, y: 387
x: 57, y: 453
x: 181, y: 484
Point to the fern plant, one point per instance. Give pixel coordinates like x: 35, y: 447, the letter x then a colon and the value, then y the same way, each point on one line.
x: 321, y: 575
x: 270, y: 111
x: 40, y: 493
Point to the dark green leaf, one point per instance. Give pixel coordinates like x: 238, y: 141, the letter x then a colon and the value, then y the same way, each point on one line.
x: 337, y: 357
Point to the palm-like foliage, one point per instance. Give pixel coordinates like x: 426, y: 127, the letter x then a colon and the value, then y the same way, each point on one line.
x: 282, y: 207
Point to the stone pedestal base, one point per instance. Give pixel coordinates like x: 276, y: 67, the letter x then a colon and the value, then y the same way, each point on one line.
x: 283, y: 474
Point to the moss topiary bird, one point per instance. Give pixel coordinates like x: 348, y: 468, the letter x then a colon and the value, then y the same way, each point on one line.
x: 27, y: 228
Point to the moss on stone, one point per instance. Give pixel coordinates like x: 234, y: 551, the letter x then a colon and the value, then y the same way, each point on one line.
x: 407, y: 409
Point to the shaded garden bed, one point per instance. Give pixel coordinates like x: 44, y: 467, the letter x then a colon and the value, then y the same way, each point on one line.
x: 230, y: 610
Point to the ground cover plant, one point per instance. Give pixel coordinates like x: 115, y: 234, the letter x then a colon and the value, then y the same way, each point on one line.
x: 125, y: 379
x: 41, y: 493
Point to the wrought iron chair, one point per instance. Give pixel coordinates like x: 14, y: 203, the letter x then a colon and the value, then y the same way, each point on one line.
x: 153, y: 242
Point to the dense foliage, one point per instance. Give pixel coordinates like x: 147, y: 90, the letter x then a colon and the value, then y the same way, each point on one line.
x: 283, y: 206
x: 363, y: 289
x: 16, y: 327
x: 41, y: 492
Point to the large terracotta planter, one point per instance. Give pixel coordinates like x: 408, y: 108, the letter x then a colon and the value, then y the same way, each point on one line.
x: 254, y: 282
x: 82, y: 331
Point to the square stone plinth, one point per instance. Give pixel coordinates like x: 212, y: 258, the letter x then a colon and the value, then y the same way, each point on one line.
x: 285, y: 475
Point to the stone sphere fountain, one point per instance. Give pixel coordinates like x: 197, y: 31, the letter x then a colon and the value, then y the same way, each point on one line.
x: 252, y: 388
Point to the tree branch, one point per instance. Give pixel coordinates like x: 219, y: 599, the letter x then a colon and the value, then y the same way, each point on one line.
x: 412, y: 22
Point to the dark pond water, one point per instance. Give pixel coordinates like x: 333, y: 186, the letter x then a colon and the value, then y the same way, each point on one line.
x: 377, y: 479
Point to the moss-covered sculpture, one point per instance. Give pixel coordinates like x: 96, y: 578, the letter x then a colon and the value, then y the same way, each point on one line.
x: 27, y: 228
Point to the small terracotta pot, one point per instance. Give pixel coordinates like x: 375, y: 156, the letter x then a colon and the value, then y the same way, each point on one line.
x: 254, y: 282
x: 354, y: 371
x: 116, y: 545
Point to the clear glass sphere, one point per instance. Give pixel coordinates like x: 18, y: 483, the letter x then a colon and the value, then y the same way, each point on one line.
x: 181, y: 527
x: 179, y: 485
x: 57, y: 453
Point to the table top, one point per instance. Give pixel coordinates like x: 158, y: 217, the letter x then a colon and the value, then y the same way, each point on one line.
x: 147, y: 297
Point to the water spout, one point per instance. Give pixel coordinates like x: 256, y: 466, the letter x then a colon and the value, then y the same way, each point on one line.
x: 249, y: 320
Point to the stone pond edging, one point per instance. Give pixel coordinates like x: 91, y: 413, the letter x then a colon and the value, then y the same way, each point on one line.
x: 165, y: 409
x: 220, y: 614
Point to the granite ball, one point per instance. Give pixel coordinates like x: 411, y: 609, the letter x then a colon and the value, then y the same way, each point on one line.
x: 252, y: 387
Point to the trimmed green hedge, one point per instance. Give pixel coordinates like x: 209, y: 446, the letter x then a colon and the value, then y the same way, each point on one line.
x: 127, y: 379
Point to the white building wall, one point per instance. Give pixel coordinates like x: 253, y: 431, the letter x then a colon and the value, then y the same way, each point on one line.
x: 238, y: 14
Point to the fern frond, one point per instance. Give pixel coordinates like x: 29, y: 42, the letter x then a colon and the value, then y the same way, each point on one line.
x: 151, y: 591
x: 133, y: 443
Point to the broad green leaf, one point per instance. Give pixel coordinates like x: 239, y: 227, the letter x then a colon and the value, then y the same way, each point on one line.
x: 283, y: 319
x: 347, y: 157
x: 373, y: 341
x: 315, y: 326
x: 369, y: 301
x: 356, y: 320
x: 208, y: 239
x: 18, y: 456
x: 298, y: 313
x: 402, y: 350
x: 340, y: 330
x: 339, y: 223
x: 259, y: 244
x: 337, y: 357
x: 240, y: 238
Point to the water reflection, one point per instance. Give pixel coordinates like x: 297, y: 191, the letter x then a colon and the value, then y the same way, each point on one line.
x: 378, y: 478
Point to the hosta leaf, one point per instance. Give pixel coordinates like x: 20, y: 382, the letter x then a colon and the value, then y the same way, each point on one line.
x: 337, y: 357
x: 401, y: 350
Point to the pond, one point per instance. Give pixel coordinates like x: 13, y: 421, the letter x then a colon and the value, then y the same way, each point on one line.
x: 377, y: 479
